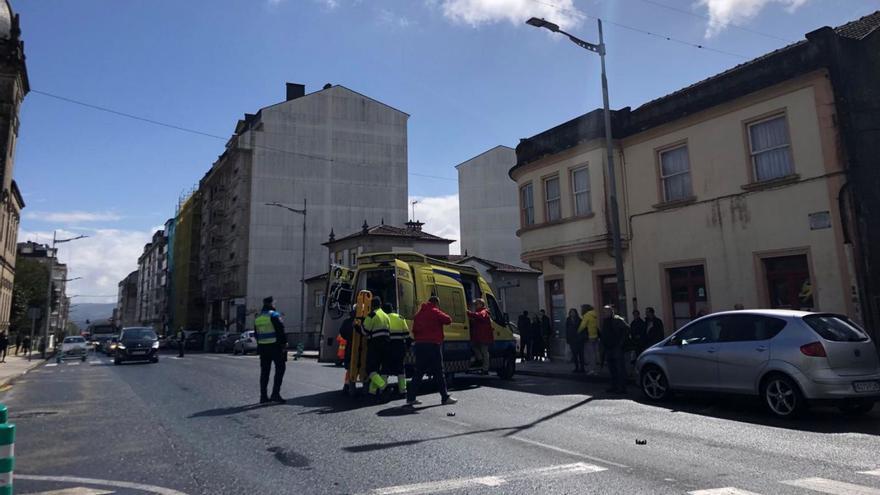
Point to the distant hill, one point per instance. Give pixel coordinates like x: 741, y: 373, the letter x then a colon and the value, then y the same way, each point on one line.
x: 90, y: 311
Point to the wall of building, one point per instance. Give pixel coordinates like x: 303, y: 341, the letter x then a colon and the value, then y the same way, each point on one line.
x: 188, y: 301
x: 360, y: 173
x: 488, y: 207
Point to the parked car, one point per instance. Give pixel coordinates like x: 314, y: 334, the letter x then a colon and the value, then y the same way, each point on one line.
x: 194, y: 340
x: 137, y: 344
x: 788, y: 358
x: 247, y: 342
x: 73, y: 347
x: 226, y: 341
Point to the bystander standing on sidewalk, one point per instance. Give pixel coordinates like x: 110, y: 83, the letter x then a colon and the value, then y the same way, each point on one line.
x: 575, y: 340
x: 4, y: 344
x: 537, y: 338
x: 17, y: 343
x: 654, y: 331
x: 524, y: 325
x: 637, y: 335
x: 590, y: 326
x: 613, y: 334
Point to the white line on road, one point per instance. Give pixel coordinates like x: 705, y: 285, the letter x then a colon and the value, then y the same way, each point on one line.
x: 214, y: 358
x: 73, y: 364
x: 875, y: 472
x: 729, y: 490
x: 92, y: 481
x: 832, y: 487
x: 487, y: 481
x: 569, y: 452
x: 52, y: 364
x: 81, y: 490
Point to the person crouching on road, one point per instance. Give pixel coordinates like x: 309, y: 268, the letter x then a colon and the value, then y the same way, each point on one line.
x: 481, y: 334
x: 613, y: 334
x: 376, y: 329
x: 271, y: 346
x: 428, y: 349
x: 397, y: 345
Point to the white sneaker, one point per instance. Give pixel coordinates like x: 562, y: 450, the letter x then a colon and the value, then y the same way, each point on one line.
x: 449, y: 401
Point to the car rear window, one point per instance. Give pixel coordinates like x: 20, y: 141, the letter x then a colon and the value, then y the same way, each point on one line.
x: 836, y: 328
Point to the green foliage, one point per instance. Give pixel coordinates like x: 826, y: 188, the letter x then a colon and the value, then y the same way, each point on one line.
x: 29, y: 290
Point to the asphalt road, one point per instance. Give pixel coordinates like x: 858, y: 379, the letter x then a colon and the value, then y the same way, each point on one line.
x: 191, y: 426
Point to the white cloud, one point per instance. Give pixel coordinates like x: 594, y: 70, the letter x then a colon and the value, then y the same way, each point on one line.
x: 440, y: 214
x: 723, y: 13
x: 102, y: 259
x: 72, y: 216
x: 476, y: 12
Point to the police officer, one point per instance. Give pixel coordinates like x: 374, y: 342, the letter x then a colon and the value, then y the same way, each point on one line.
x: 271, y: 346
x: 398, y: 340
x: 376, y: 329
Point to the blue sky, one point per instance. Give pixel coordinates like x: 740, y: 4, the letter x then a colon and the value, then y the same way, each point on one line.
x: 469, y: 72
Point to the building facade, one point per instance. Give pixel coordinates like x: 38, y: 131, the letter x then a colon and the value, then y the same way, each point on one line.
x: 730, y: 192
x: 13, y: 88
x: 58, y: 304
x: 487, y: 206
x: 125, y: 314
x: 186, y: 295
x: 152, y: 302
x: 340, y: 154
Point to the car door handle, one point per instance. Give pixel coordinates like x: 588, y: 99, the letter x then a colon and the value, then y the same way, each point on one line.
x: 761, y: 348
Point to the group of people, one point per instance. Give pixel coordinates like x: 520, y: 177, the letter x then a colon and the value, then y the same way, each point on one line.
x: 22, y: 345
x: 604, y: 338
x: 535, y: 332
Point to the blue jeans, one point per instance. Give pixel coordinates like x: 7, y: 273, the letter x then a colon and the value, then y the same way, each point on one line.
x: 429, y: 359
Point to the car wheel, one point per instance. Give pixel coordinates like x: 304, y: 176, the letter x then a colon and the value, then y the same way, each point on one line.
x: 654, y: 384
x: 508, y: 368
x: 782, y: 396
x: 856, y: 408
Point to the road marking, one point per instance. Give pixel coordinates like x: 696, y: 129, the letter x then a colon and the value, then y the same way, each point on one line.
x: 96, y: 362
x: 729, y: 490
x: 215, y: 358
x: 487, y: 481
x: 81, y: 490
x: 823, y: 485
x: 92, y: 481
x: 875, y: 472
x: 73, y: 364
x: 52, y: 364
x: 569, y: 452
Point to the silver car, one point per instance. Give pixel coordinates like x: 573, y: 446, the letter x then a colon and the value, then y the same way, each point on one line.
x: 246, y: 343
x: 788, y: 358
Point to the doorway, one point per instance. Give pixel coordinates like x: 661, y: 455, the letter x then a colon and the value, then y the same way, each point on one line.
x: 688, y: 294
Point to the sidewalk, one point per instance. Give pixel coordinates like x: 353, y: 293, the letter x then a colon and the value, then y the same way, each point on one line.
x: 16, y: 366
x: 562, y: 370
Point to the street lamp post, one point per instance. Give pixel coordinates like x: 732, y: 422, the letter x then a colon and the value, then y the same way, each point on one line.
x: 612, y: 176
x: 302, y: 280
x: 48, y: 314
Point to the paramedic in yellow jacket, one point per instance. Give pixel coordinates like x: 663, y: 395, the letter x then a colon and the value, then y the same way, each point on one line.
x: 377, y: 330
x: 398, y: 344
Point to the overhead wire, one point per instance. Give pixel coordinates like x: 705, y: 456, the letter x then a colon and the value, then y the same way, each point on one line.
x: 705, y: 17
x: 202, y: 133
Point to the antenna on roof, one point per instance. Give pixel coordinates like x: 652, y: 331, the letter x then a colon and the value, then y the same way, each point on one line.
x: 414, y: 203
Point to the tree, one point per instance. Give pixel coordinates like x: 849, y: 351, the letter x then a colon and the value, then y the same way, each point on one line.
x: 29, y: 290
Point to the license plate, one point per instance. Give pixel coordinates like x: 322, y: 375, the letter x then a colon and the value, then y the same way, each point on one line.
x: 138, y: 352
x: 871, y: 386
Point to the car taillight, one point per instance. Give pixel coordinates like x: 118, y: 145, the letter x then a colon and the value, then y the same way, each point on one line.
x: 814, y: 349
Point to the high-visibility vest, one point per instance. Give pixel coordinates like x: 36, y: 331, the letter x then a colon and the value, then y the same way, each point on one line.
x: 399, y: 330
x: 264, y: 329
x: 377, y: 324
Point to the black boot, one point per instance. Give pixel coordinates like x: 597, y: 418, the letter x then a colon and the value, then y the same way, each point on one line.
x: 264, y: 399
x: 276, y: 397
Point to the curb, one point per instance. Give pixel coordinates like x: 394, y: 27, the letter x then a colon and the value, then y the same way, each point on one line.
x: 4, y: 381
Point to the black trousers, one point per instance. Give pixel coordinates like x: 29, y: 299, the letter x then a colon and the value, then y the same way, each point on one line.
x: 577, y: 353
x: 377, y: 354
x: 616, y: 368
x: 271, y: 353
x: 396, y: 354
x: 429, y: 359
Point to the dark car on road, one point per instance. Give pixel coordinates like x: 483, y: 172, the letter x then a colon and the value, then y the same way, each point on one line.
x: 226, y: 341
x: 137, y: 344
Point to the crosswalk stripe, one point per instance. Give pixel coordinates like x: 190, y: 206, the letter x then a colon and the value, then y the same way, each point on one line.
x: 832, y: 487
x: 875, y: 472
x: 73, y: 364
x: 728, y: 490
x: 52, y: 364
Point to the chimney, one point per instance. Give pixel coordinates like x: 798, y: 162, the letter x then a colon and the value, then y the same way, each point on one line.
x: 414, y: 226
x: 295, y: 91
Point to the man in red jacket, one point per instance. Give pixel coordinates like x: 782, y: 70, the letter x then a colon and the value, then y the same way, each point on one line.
x: 481, y: 333
x: 428, y: 350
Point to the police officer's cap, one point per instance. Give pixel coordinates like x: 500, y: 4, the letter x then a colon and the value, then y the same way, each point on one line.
x: 269, y: 300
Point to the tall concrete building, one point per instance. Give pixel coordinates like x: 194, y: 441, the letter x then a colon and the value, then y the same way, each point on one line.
x: 339, y: 153
x: 152, y: 300
x: 126, y: 301
x: 188, y: 308
x: 488, y: 210
x: 13, y: 87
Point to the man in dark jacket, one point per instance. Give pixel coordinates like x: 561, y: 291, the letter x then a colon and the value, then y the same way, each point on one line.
x: 272, y: 348
x: 653, y: 328
x: 428, y: 350
x: 524, y: 325
x: 346, y: 330
x: 637, y: 334
x: 613, y: 333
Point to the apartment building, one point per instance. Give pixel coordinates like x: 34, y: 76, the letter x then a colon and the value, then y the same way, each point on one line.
x: 745, y: 188
x: 339, y: 155
x: 152, y: 301
x: 126, y: 301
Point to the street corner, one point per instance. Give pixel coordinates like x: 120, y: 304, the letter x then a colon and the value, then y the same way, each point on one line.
x: 31, y: 484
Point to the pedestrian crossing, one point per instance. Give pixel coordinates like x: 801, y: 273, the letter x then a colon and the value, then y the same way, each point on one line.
x: 812, y: 485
